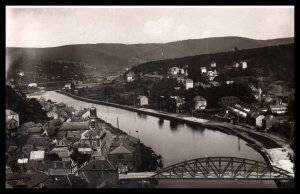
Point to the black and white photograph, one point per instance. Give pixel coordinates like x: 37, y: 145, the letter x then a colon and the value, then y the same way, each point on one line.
x: 137, y: 97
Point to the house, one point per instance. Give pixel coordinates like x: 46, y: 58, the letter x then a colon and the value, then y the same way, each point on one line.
x: 59, y: 168
x: 236, y: 65
x: 189, y: 84
x: 130, y: 76
x: 99, y: 174
x: 256, y: 119
x: 71, y: 181
x: 124, y: 150
x: 69, y: 86
x: 37, y: 155
x: 243, y: 64
x: 203, y: 70
x: 213, y: 65
x: 35, y: 180
x: 200, y: 103
x: 229, y: 82
x: 211, y: 75
x: 228, y: 100
x: 142, y: 100
x: 267, y: 122
x: 32, y: 85
x: 36, y: 143
x: 278, y: 109
x: 174, y: 70
x: 11, y: 122
x: 62, y: 149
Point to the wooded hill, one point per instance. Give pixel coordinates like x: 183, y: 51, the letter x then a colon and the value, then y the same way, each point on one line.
x: 114, y: 58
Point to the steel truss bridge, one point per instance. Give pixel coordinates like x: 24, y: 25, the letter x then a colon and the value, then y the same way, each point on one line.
x: 215, y: 168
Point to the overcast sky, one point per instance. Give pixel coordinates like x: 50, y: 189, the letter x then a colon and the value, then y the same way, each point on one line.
x: 48, y: 27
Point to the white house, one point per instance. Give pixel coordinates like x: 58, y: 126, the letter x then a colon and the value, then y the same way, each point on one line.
x: 37, y: 155
x: 11, y: 122
x: 68, y: 86
x: 32, y: 85
x: 189, y: 84
x: 174, y: 70
x: 236, y: 65
x: 203, y: 70
x: 200, y: 103
x: 229, y: 82
x: 142, y: 100
x: 130, y: 76
x: 244, y: 64
x: 213, y: 65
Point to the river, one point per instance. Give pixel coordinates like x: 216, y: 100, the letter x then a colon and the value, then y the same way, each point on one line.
x: 174, y: 141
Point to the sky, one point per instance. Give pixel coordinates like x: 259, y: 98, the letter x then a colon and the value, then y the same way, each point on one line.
x: 55, y: 26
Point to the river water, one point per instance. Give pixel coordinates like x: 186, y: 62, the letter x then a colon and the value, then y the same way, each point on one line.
x: 175, y: 142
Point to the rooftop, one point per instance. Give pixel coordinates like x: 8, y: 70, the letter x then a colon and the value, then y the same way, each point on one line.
x: 97, y: 165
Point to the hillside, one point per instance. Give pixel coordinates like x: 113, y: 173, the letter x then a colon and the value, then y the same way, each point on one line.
x: 114, y: 58
x: 275, y: 62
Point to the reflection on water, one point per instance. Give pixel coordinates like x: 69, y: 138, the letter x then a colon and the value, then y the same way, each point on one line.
x: 160, y: 123
x: 141, y: 116
x: 173, y: 125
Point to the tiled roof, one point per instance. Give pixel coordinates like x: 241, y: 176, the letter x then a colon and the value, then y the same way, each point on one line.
x: 36, y: 179
x: 72, y: 181
x: 98, y: 165
x: 72, y: 126
x: 121, y: 150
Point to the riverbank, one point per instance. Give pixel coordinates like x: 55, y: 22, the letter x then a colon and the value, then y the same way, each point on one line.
x: 258, y: 140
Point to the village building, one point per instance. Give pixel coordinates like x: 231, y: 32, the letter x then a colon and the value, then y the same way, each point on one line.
x: 267, y: 122
x: 278, y: 109
x: 229, y: 82
x: 69, y: 86
x: 243, y: 64
x: 200, y: 103
x: 203, y: 70
x: 256, y: 119
x: 142, y: 100
x: 236, y: 65
x: 59, y: 168
x: 174, y: 71
x: 189, y: 84
x: 125, y: 151
x: 32, y: 85
x: 99, y: 174
x: 213, y: 64
x: 130, y: 76
x: 37, y: 155
x: 11, y: 122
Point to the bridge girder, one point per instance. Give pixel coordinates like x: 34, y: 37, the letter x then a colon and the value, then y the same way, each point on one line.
x: 222, y: 168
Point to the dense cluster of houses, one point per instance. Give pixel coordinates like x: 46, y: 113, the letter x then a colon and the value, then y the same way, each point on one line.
x: 82, y: 152
x: 264, y: 117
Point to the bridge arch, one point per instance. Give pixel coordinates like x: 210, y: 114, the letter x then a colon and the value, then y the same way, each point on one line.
x: 222, y: 168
